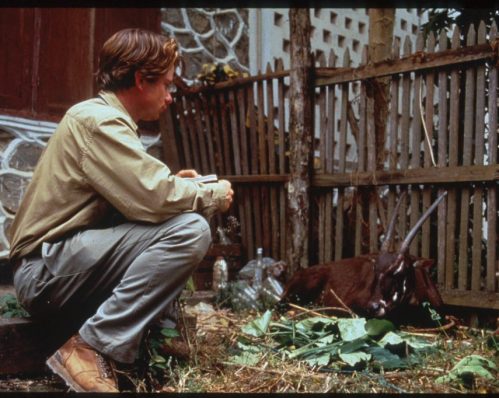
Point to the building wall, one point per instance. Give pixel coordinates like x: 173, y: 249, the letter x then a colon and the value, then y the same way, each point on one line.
x: 249, y: 39
x: 332, y: 28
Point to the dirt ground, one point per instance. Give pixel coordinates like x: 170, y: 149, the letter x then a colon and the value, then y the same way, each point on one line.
x: 210, y: 369
x: 27, y: 383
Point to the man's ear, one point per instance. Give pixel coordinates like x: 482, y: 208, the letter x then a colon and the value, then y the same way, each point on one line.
x: 138, y: 80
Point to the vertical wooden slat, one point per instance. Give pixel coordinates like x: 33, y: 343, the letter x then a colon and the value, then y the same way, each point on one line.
x: 242, y: 191
x: 272, y: 136
x: 469, y: 103
x: 217, y: 133
x: 442, y: 134
x: 193, y: 137
x: 492, y: 265
x: 236, y: 151
x: 179, y: 106
x: 261, y: 201
x: 282, y: 158
x: 371, y: 166
x: 200, y: 133
x: 171, y: 155
x: 236, y: 136
x: 392, y: 133
x: 270, y: 123
x: 428, y: 111
x: 361, y: 165
x: 416, y: 149
x: 479, y: 153
x: 404, y: 136
x: 454, y: 120
x: 241, y: 105
x: 256, y: 156
x: 321, y: 200
x: 207, y: 116
x: 329, y: 155
x: 215, y: 111
x: 342, y: 162
x: 262, y: 142
x: 224, y: 121
x: 442, y: 152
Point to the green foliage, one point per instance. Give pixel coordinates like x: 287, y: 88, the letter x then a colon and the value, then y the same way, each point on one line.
x: 445, y: 18
x: 10, y: 307
x: 468, y: 368
x: 258, y: 327
x: 190, y: 286
x: 155, y: 364
x: 338, y: 342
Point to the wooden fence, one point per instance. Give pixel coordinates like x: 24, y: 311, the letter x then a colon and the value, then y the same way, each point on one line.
x: 440, y: 98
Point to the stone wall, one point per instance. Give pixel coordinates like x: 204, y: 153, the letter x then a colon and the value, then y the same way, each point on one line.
x: 209, y: 35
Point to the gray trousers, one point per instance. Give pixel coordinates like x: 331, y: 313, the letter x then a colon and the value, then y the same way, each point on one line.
x: 124, y: 277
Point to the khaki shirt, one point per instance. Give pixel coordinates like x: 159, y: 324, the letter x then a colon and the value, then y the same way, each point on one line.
x: 93, y: 165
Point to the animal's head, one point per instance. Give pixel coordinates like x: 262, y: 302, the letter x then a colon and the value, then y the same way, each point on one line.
x: 395, y: 272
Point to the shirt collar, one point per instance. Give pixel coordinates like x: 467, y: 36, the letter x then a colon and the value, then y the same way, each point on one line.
x: 111, y: 99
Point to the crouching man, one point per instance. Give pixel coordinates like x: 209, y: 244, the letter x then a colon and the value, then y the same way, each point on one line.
x: 106, y: 229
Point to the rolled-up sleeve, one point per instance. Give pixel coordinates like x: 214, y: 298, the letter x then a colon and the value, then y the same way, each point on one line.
x: 138, y: 185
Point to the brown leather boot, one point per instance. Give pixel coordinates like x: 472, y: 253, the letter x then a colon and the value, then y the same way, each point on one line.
x: 82, y: 368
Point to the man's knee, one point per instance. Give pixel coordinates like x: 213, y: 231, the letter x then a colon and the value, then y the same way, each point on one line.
x: 203, y: 238
x: 195, y: 235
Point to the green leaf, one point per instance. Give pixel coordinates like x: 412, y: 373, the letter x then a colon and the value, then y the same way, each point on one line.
x: 355, y: 358
x: 378, y: 327
x: 391, y: 339
x: 246, y: 358
x: 259, y: 326
x: 315, y: 323
x: 170, y: 332
x: 308, y: 351
x: 354, y: 345
x: 327, y: 339
x: 351, y: 329
x: 158, y: 359
x: 476, y: 360
x: 190, y: 286
x: 417, y: 343
x: 468, y: 368
x: 248, y: 347
x: 321, y: 360
x: 386, y: 359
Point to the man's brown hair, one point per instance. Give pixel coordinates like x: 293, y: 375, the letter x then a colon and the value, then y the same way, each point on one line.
x: 131, y: 50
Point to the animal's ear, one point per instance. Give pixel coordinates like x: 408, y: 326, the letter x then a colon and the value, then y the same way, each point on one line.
x: 423, y: 263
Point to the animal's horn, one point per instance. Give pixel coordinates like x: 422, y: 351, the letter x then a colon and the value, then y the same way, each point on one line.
x: 391, y: 227
x: 412, y: 233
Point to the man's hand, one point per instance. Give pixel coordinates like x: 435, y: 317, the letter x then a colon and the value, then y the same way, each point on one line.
x: 190, y: 173
x: 229, y: 195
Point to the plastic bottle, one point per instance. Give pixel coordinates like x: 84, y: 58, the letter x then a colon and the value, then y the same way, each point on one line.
x: 220, y: 274
x: 258, y: 278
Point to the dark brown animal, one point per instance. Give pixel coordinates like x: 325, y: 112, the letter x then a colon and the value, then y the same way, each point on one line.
x: 373, y: 284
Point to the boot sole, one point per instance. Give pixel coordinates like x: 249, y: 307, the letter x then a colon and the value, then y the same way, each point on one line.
x: 56, y: 366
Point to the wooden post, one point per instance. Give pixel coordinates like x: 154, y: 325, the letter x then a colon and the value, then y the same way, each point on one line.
x: 301, y: 134
x: 381, y: 22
